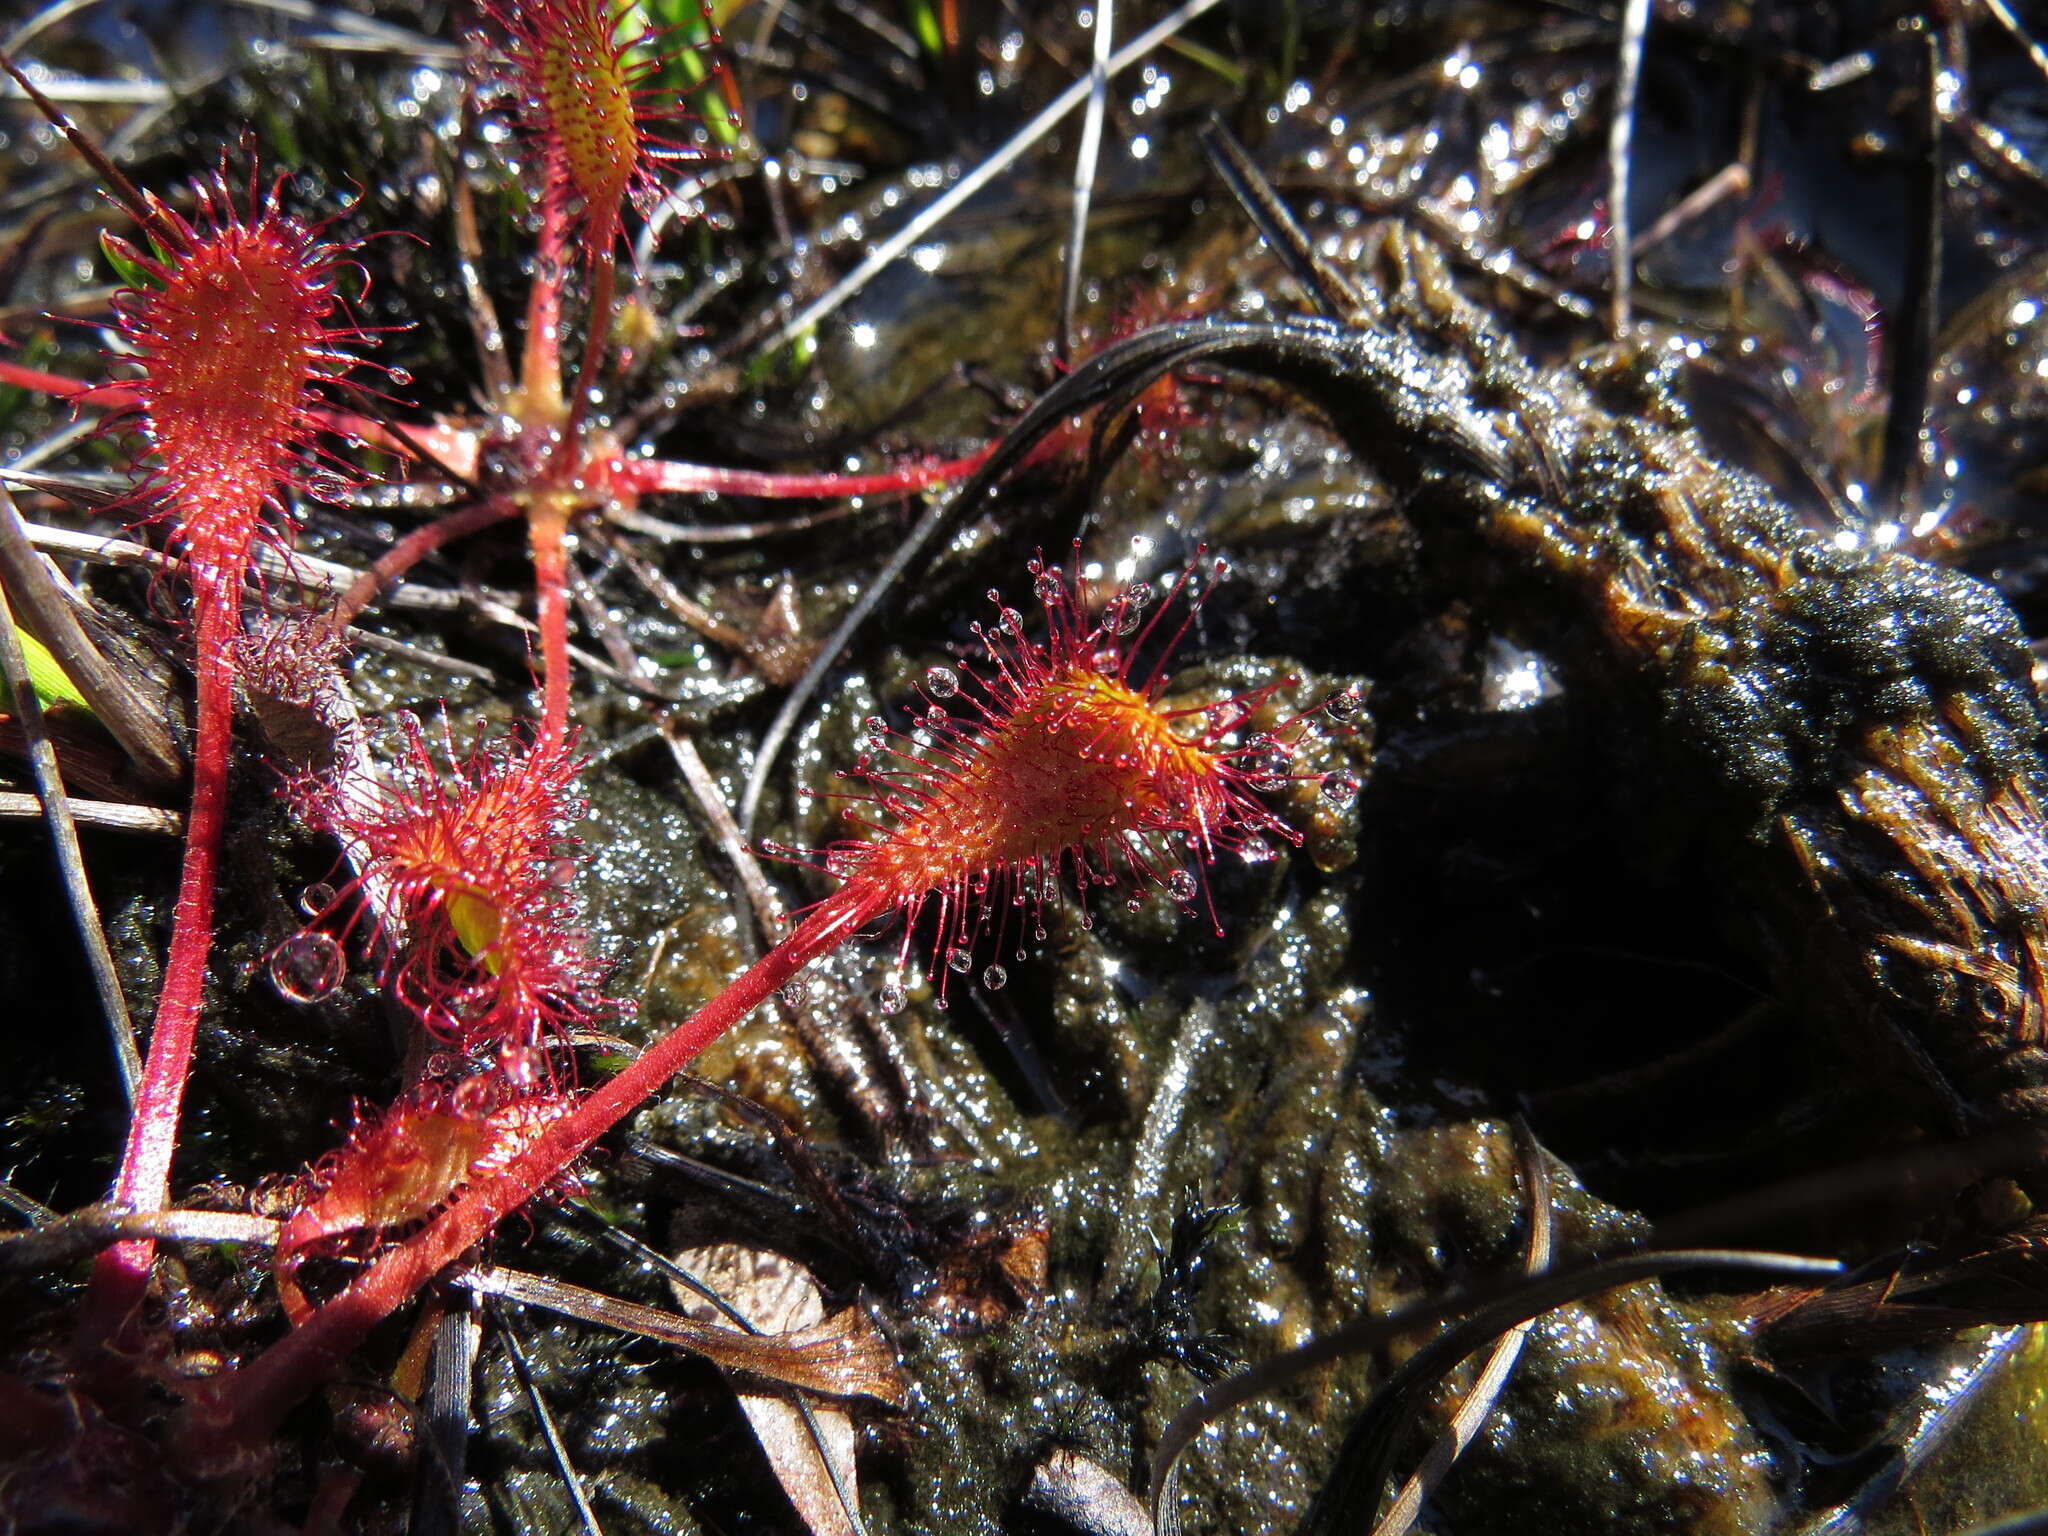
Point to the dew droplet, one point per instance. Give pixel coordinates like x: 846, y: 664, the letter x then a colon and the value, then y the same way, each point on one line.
x: 306, y: 967
x: 995, y: 978
x: 1346, y: 706
x: 1257, y: 850
x: 1267, y: 762
x: 1048, y: 585
x: 1340, y: 788
x: 1219, y: 570
x: 936, y: 717
x: 317, y: 900
x: 891, y: 998
x: 474, y: 1097
x: 941, y: 682
x: 1013, y: 621
x: 792, y: 994
x: 521, y: 1065
x: 959, y: 960
x: 1180, y: 885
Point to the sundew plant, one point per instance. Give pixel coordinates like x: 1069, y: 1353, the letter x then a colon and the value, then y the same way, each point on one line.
x: 245, y: 381
x: 932, y: 766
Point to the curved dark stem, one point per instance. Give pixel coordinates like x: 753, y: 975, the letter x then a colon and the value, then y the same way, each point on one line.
x: 1331, y: 291
x: 1912, y: 340
x: 1107, y: 375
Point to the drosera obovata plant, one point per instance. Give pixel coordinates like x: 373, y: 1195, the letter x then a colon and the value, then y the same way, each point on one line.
x: 237, y: 326
x: 1069, y: 770
x: 236, y: 322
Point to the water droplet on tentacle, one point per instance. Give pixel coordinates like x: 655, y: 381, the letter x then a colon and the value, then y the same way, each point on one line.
x: 1267, y: 762
x: 306, y: 967
x: 1341, y: 788
x: 1345, y: 707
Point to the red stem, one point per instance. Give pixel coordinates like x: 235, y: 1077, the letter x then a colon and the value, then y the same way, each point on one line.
x: 121, y: 1274
x: 105, y: 397
x: 547, y: 530
x: 597, y: 331
x: 413, y: 548
x: 254, y: 1398
x: 456, y: 448
x: 540, y: 365
x: 646, y: 476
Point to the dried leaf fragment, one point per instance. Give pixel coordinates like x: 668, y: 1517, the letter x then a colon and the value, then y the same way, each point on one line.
x: 812, y: 1454
x: 840, y: 1357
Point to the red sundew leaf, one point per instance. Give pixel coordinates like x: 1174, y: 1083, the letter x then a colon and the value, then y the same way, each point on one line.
x: 238, y: 323
x: 466, y: 866
x: 401, y: 1164
x: 1066, y: 765
x: 577, y: 71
